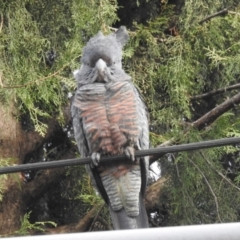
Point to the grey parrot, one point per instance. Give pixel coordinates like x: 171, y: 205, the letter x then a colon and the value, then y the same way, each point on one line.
x: 110, y: 118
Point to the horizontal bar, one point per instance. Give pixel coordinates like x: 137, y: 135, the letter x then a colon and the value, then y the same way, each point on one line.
x: 229, y: 231
x: 140, y: 153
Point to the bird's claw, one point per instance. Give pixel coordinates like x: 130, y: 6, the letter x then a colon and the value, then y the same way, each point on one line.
x: 95, y: 159
x: 129, y: 152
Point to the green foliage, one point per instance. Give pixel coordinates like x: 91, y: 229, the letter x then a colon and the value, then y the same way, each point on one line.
x: 162, y: 66
x: 82, y: 188
x: 171, y: 69
x: 170, y: 59
x: 200, y: 193
x: 27, y: 227
x: 172, y: 66
x: 29, y: 30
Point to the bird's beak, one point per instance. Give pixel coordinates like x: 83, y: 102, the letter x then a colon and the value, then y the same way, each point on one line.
x: 101, y: 68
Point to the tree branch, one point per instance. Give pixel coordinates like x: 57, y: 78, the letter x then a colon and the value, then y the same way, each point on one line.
x: 222, y: 12
x: 104, y: 223
x: 40, y: 185
x: 80, y: 226
x: 215, y: 92
x: 219, y: 173
x: 216, y: 112
x: 1, y: 23
x: 210, y: 188
x: 153, y: 193
x: 203, y: 121
x: 96, y: 216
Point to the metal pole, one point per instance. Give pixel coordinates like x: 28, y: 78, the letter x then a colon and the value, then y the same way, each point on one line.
x: 224, y: 231
x: 141, y: 153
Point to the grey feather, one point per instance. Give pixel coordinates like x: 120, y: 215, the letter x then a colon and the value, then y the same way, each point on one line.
x: 122, y: 184
x: 122, y: 221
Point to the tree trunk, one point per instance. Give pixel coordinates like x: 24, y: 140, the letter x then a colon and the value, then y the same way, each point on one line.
x: 15, y: 144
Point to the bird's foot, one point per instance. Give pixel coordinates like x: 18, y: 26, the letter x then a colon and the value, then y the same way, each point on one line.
x: 129, y: 152
x: 95, y: 159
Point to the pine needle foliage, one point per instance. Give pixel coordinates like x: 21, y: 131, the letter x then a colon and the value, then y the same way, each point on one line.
x: 172, y: 66
x: 171, y: 58
x: 31, y: 28
x: 27, y: 227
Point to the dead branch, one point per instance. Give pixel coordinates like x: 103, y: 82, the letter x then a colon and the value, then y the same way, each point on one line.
x: 222, y: 12
x: 40, y: 185
x: 203, y: 121
x: 1, y: 23
x: 1, y: 83
x: 96, y: 216
x: 215, y: 92
x: 80, y: 226
x: 216, y: 112
x: 153, y: 193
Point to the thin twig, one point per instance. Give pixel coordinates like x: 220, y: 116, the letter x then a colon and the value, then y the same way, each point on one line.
x: 216, y: 112
x: 206, y: 119
x: 215, y: 92
x: 80, y: 226
x: 1, y: 24
x: 134, y: 33
x: 177, y: 170
x: 211, y: 190
x: 235, y: 13
x: 219, y: 173
x: 222, y: 12
x: 1, y: 83
x: 37, y: 80
x: 184, y: 191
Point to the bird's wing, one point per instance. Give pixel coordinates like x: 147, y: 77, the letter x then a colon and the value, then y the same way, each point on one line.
x: 83, y: 148
x: 143, y: 136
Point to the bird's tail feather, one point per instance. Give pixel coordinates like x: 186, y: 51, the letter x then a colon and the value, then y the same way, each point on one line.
x: 122, y: 221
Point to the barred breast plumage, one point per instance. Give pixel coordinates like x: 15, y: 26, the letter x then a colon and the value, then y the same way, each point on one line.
x: 108, y: 112
x: 109, y: 118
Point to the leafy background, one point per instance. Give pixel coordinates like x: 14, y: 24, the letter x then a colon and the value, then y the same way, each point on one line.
x: 171, y: 58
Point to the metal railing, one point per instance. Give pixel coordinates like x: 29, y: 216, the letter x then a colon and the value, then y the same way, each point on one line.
x: 224, y: 231
x: 140, y: 153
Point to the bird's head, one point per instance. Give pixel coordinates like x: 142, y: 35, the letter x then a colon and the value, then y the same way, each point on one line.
x: 102, y: 56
